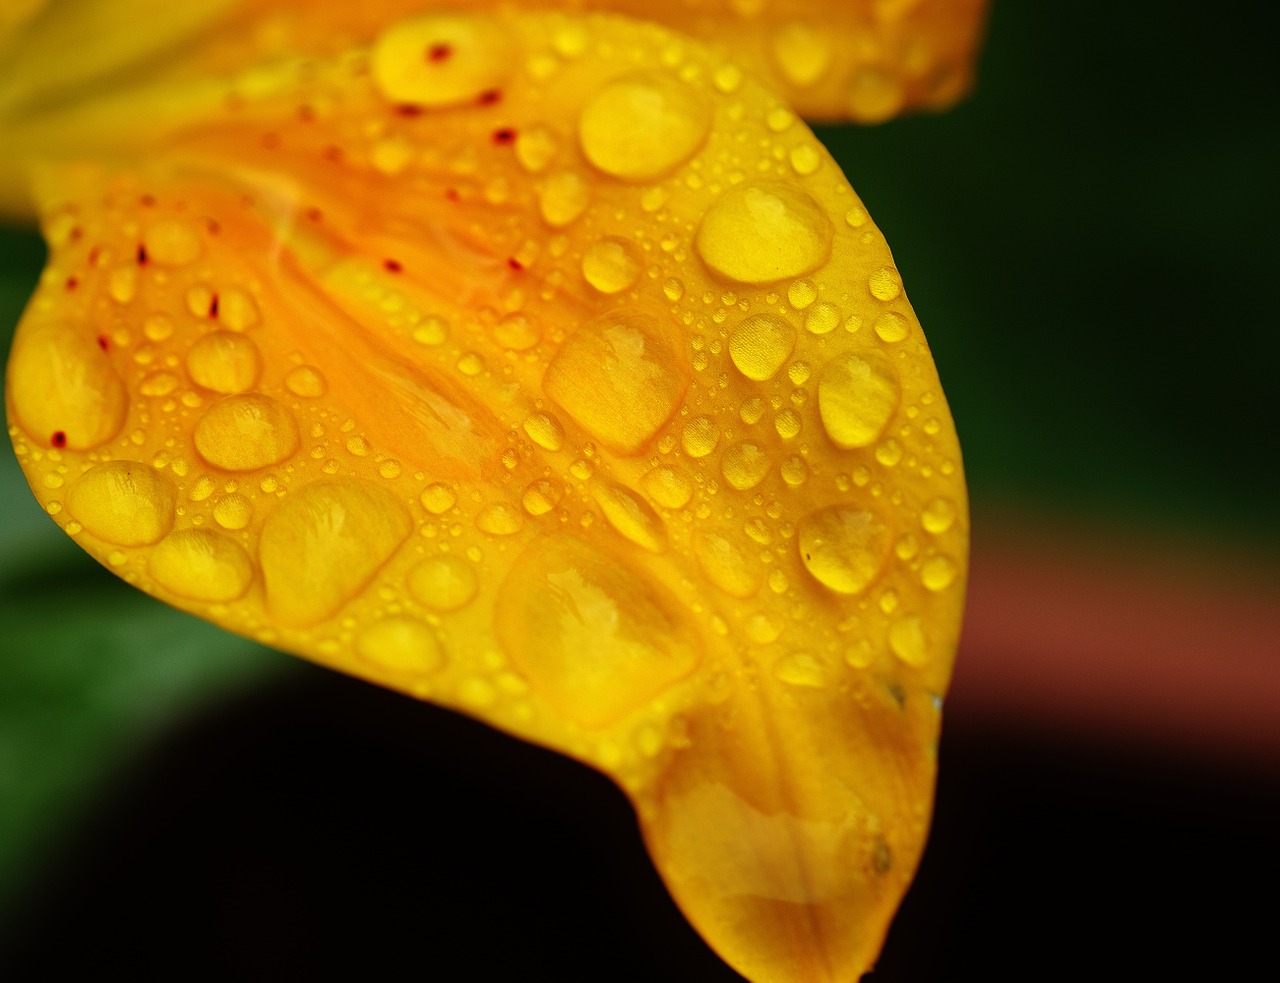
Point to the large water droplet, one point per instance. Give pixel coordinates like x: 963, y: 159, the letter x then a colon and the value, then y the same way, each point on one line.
x: 631, y: 516
x: 619, y: 378
x: 907, y: 641
x: 857, y: 397
x: 225, y: 362
x: 642, y: 126
x: 246, y: 432
x: 764, y: 232
x: 727, y: 565
x: 594, y: 636
x: 63, y: 388
x: 443, y: 583
x: 844, y: 548
x: 323, y: 543
x: 441, y: 60
x: 760, y: 345
x: 201, y: 565
x: 669, y: 486
x: 124, y: 502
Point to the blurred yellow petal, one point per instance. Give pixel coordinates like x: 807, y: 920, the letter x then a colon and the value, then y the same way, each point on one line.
x: 428, y: 362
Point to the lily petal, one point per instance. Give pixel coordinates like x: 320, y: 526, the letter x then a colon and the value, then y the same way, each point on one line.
x: 565, y: 384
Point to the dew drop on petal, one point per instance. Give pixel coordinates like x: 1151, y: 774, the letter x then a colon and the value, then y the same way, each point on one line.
x: 225, y: 362
x: 857, y: 397
x: 760, y: 345
x: 593, y: 636
x: 441, y: 60
x: 764, y: 232
x: 61, y: 382
x: 400, y: 645
x: 726, y: 564
x: 323, y: 543
x: 745, y: 465
x: 845, y: 549
x: 668, y: 485
x: 619, y: 359
x: 631, y: 516
x: 611, y: 265
x: 124, y: 502
x: 642, y: 126
x: 907, y: 641
x: 443, y: 583
x: 201, y: 565
x: 246, y: 432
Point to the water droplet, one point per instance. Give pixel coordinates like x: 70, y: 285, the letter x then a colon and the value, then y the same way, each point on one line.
x: 857, y: 397
x: 631, y: 516
x: 517, y: 332
x: 800, y: 669
x: 323, y: 543
x: 619, y: 359
x: 642, y: 126
x: 236, y: 309
x: 122, y: 283
x: 889, y: 453
x: 540, y: 497
x: 564, y: 196
x: 400, y: 645
x: 441, y: 59
x: 431, y: 330
x: 751, y: 410
x: 885, y: 284
x: 699, y: 436
x: 611, y: 265
x: 803, y: 52
x: 224, y: 362
x: 875, y: 96
x: 938, y: 515
x: 760, y: 345
x: 805, y: 159
x: 443, y: 583
x: 745, y: 465
x: 246, y: 432
x: 726, y: 564
x: 795, y: 472
x: 232, y: 511
x: 437, y: 498
x: 787, y: 424
x: 306, y: 381
x: 822, y: 319
x: 845, y: 549
x: 892, y: 326
x: 470, y: 364
x: 939, y: 573
x: 545, y: 431
x: 762, y: 628
x: 801, y: 294
x: 764, y: 232
x: 906, y: 639
x: 499, y: 519
x: 668, y: 485
x: 62, y: 383
x: 124, y: 502
x: 595, y: 638
x: 201, y: 565
x: 535, y: 149
x: 171, y: 242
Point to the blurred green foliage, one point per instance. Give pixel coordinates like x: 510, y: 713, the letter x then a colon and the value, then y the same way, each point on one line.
x: 1088, y: 243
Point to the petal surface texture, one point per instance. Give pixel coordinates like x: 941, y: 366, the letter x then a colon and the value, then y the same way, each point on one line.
x: 423, y: 362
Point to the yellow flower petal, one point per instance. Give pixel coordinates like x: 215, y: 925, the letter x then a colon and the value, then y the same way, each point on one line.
x: 419, y: 364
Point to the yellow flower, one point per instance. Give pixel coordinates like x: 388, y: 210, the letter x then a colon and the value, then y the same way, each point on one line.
x: 542, y: 365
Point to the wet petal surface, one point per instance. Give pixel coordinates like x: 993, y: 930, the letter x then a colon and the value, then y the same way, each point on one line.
x: 407, y: 364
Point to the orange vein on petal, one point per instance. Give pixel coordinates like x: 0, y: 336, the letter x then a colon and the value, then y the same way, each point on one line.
x: 423, y: 367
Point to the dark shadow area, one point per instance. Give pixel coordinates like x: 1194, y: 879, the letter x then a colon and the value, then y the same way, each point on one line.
x: 330, y: 830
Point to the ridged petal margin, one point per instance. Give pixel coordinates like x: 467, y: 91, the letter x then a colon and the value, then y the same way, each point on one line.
x: 545, y: 367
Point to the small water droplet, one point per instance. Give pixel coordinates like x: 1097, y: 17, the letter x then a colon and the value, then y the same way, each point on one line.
x: 760, y: 345
x: 892, y: 327
x: 400, y: 645
x: 306, y: 381
x: 843, y: 548
x: 885, y: 284
x: 801, y: 669
x: 857, y: 397
x: 745, y: 465
x: 443, y: 583
x: 540, y: 497
x: 498, y: 519
x: 726, y: 564
x: 668, y: 485
x: 201, y: 565
x: 631, y: 516
x: 232, y: 511
x: 939, y: 573
x: 124, y: 502
x: 438, y: 498
x: 225, y: 362
x: 611, y: 265
x: 907, y: 641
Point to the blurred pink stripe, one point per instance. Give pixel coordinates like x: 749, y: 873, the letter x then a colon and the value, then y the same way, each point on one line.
x: 1171, y: 645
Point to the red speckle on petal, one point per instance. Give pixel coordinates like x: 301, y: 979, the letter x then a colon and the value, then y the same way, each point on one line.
x: 72, y: 283
x: 489, y: 97
x: 147, y: 201
x: 514, y: 263
x: 103, y: 342
x: 142, y: 255
x: 439, y: 52
x: 392, y: 265
x: 59, y: 439
x: 213, y: 307
x: 408, y: 110
x: 504, y: 136
x: 452, y: 194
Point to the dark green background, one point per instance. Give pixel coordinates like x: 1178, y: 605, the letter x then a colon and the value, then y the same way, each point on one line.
x: 1090, y: 245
